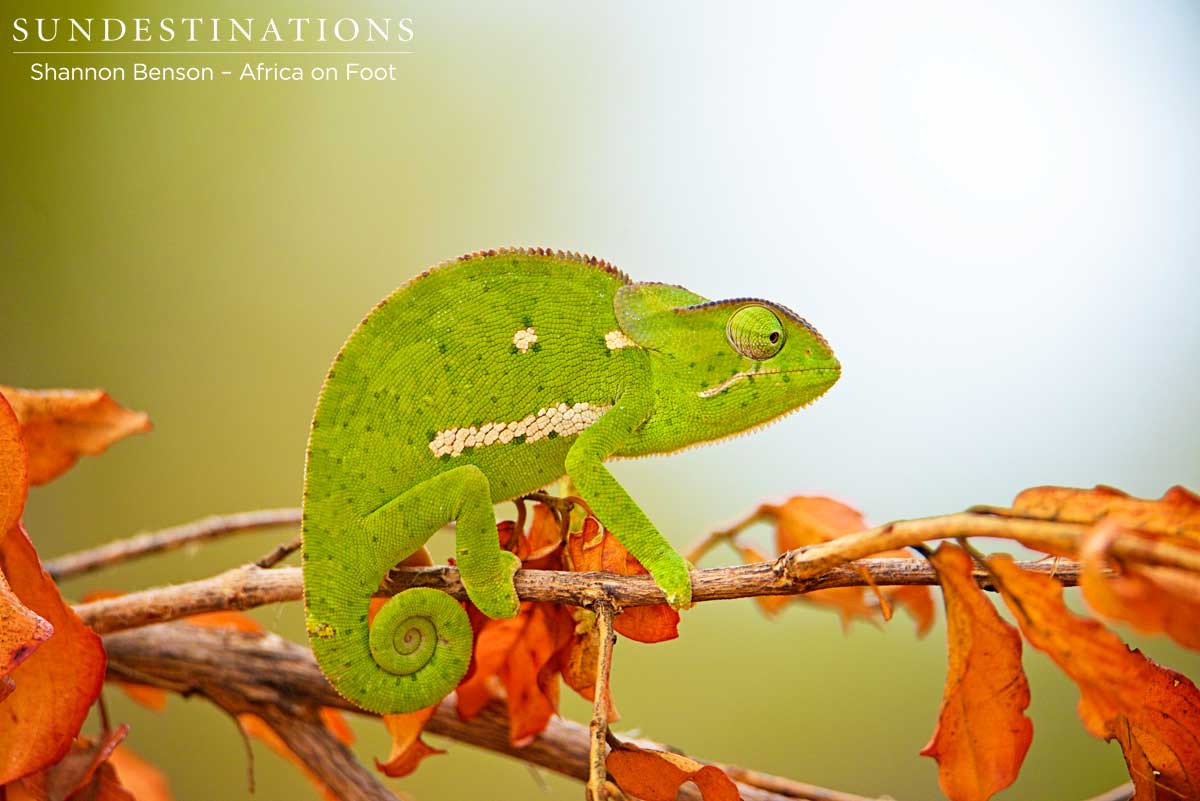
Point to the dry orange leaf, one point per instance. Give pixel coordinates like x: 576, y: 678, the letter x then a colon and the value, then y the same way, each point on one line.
x: 658, y: 775
x: 982, y: 733
x: 58, y: 426
x: 1153, y: 599
x: 80, y: 774
x: 1176, y: 513
x: 579, y: 660
x: 144, y: 781
x: 516, y: 658
x: 807, y: 520
x: 591, y: 549
x: 14, y: 473
x: 408, y: 749
x: 1151, y: 710
x: 21, y: 629
x: 58, y: 682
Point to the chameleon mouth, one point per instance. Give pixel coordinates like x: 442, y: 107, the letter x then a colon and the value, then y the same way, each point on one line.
x: 746, y: 374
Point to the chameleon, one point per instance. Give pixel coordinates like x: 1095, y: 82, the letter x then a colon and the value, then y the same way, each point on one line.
x: 484, y: 379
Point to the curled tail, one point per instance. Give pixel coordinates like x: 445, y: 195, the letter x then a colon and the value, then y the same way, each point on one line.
x: 414, y: 652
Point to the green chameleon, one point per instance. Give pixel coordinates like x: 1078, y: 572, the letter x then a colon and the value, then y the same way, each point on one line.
x: 489, y: 377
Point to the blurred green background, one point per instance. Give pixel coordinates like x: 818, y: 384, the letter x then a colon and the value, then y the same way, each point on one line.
x: 989, y: 211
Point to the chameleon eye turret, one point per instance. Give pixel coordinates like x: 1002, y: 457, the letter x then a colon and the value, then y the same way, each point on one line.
x: 755, y: 332
x: 489, y: 377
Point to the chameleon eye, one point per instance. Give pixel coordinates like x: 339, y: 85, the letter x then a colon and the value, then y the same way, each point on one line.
x: 755, y: 332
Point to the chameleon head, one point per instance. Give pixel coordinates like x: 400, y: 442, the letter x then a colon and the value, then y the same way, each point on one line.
x: 722, y: 367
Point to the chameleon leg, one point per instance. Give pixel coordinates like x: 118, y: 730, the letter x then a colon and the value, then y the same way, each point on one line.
x: 612, y: 504
x: 418, y: 647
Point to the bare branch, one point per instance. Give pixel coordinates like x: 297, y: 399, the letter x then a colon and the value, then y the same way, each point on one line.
x: 168, y: 539
x: 328, y: 759
x: 249, y: 586
x: 247, y: 671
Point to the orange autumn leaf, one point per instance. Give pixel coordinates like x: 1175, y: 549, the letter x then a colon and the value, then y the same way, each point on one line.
x: 337, y: 725
x: 1176, y: 513
x: 1153, y: 599
x: 808, y: 520
x: 58, y: 426
x: 982, y: 733
x: 515, y: 658
x: 21, y: 629
x: 658, y: 775
x: 144, y: 781
x: 1152, y: 711
x: 78, y: 774
x: 408, y: 749
x: 591, y: 549
x: 14, y: 472
x: 55, y: 685
x: 918, y: 602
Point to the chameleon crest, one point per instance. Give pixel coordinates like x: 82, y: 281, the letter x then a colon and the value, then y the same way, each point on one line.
x: 489, y: 377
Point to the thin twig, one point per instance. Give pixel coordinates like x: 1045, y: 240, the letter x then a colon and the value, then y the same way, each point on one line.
x: 250, y: 586
x: 168, y: 539
x: 1122, y: 792
x: 280, y: 552
x: 598, y: 729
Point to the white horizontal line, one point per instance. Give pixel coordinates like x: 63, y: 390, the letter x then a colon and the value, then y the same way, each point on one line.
x: 213, y: 53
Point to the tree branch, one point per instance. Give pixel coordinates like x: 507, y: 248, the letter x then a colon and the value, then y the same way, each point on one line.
x: 168, y: 539
x: 249, y: 586
x: 243, y: 671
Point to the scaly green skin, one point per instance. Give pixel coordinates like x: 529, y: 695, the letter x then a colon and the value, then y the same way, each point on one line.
x: 487, y: 378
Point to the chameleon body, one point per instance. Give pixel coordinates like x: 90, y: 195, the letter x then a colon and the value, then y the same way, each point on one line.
x: 489, y: 377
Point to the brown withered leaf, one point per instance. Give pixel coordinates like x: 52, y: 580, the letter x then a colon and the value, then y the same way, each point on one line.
x: 1153, y: 599
x: 408, y: 749
x: 60, y: 425
x: 58, y: 682
x: 658, y: 775
x: 592, y: 549
x: 1176, y: 513
x: 1151, y: 710
x: 143, y: 781
x: 982, y: 733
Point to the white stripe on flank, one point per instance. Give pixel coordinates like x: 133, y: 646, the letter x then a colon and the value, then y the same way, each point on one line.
x: 563, y: 420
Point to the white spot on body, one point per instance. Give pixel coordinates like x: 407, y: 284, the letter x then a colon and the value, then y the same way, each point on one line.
x: 560, y: 419
x: 524, y: 339
x: 616, y: 339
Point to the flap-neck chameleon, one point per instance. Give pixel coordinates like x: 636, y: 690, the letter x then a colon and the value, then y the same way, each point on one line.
x: 489, y: 377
